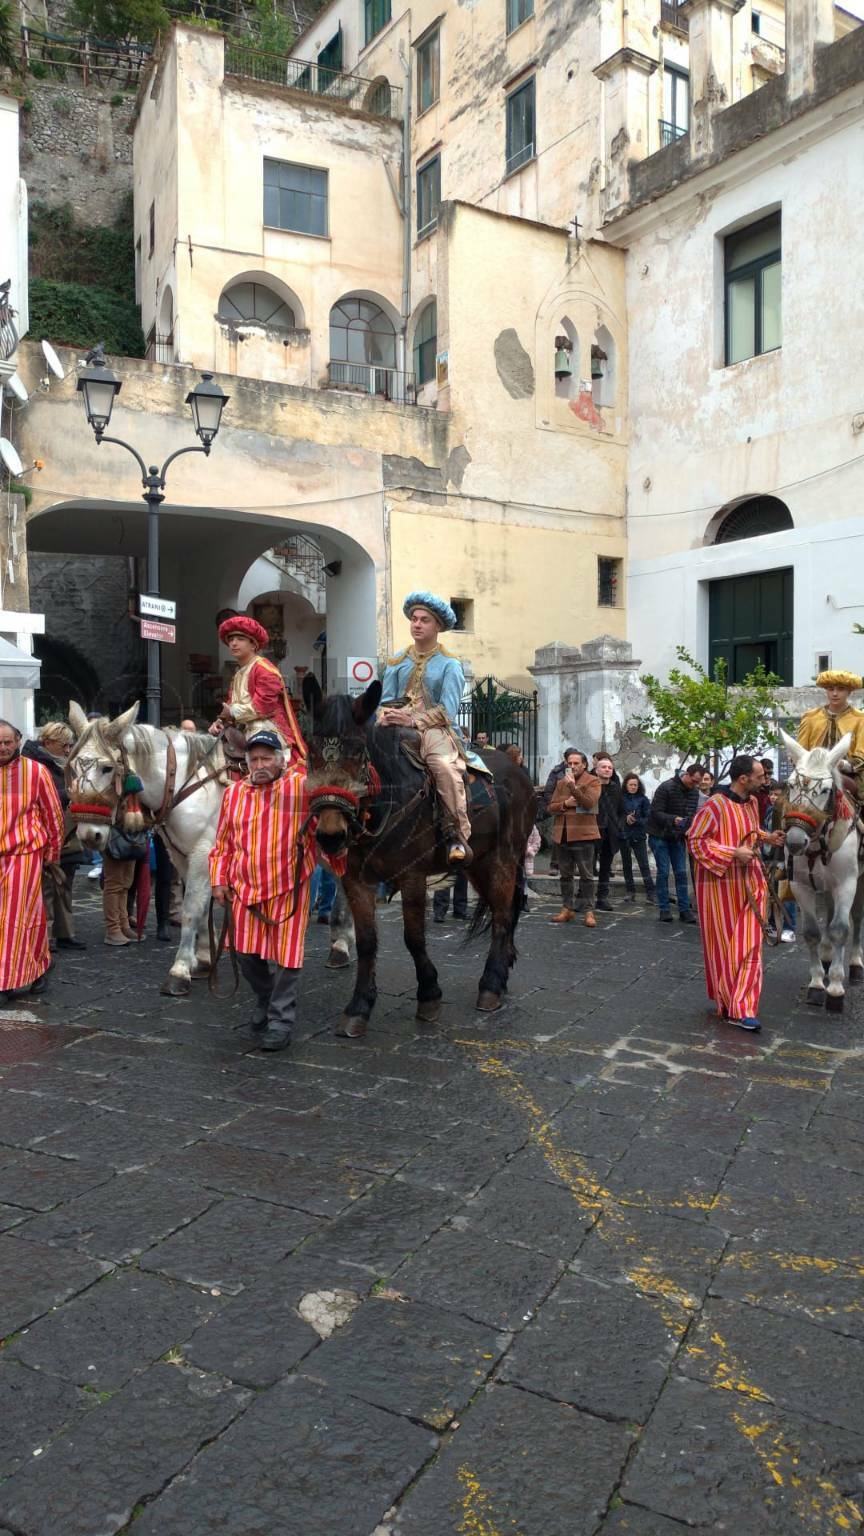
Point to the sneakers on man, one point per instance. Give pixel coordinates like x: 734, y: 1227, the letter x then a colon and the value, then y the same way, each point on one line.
x: 664, y: 917
x: 274, y: 1040
x: 116, y: 939
x: 687, y: 916
x: 787, y: 936
x: 604, y: 906
x: 751, y: 1025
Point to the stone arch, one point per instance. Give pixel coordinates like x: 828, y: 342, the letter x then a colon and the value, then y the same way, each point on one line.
x: 363, y: 353
x: 749, y: 517
x: 253, y: 287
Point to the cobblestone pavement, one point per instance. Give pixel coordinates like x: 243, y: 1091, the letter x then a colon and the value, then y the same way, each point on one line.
x: 591, y: 1266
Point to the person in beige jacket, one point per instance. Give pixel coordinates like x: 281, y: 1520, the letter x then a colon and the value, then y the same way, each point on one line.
x: 574, y: 809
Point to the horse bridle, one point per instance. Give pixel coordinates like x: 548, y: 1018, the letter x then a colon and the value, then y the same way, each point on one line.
x: 123, y: 770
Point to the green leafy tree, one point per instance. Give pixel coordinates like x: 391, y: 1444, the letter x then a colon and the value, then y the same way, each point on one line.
x: 8, y: 38
x: 74, y: 315
x: 271, y: 30
x: 704, y: 718
x: 123, y: 21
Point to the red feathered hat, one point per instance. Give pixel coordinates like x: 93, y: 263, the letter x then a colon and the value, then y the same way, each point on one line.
x: 243, y: 625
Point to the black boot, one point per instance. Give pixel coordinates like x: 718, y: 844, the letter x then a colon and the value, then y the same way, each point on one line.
x: 71, y: 944
x: 163, y: 932
x: 274, y: 1040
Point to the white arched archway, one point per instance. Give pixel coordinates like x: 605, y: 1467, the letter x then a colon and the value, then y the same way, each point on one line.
x: 258, y: 298
x: 364, y: 328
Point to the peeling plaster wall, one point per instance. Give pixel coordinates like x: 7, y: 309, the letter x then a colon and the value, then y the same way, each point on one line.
x: 704, y: 434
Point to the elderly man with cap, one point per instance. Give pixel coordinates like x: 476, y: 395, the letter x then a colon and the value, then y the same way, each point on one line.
x: 422, y: 690
x: 257, y: 699
x: 824, y: 726
x: 260, y: 866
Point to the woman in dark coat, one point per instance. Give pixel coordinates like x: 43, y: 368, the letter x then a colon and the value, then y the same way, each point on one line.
x: 635, y: 811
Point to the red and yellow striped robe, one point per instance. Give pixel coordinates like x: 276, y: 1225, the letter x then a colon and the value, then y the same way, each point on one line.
x: 731, y: 935
x: 255, y: 855
x: 31, y: 834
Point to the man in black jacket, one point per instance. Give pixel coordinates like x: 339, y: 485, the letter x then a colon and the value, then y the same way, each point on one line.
x: 674, y: 805
x: 609, y: 823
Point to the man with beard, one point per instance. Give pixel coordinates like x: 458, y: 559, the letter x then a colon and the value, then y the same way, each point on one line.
x: 31, y: 836
x: 724, y: 840
x: 255, y: 865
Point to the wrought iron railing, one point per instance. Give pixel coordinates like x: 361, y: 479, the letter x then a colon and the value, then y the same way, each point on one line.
x: 372, y: 379
x: 247, y: 63
x: 160, y: 349
x: 301, y: 556
x: 672, y: 16
x: 669, y: 132
x: 93, y: 60
x: 506, y: 715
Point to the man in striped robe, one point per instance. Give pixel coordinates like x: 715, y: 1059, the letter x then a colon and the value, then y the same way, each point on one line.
x: 723, y: 839
x: 31, y: 836
x: 257, y: 866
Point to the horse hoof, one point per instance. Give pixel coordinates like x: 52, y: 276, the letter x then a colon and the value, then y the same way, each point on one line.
x: 337, y: 959
x: 175, y: 986
x: 856, y: 973
x: 201, y: 971
x: 833, y: 1002
x: 430, y: 1012
x: 350, y: 1028
x: 816, y: 996
x: 488, y: 1002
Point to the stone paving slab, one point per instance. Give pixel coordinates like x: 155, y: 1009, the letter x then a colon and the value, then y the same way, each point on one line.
x: 322, y: 1189
x: 598, y: 1346
x: 117, y: 1327
x: 38, y: 1181
x: 492, y: 1282
x: 35, y: 1277
x: 417, y: 1361
x: 307, y: 1460
x: 627, y: 1520
x: 722, y: 1461
x: 657, y: 1254
x: 118, y: 1140
x: 511, y: 1209
x: 386, y: 1225
x: 229, y: 1244
x: 121, y: 1219
x: 89, y: 1481
x: 796, y: 1365
x: 518, y: 1463
x: 816, y: 1289
x: 33, y: 1409
x: 460, y: 1163
x: 29, y: 1119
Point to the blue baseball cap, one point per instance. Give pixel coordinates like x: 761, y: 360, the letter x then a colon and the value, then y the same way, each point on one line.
x: 267, y: 739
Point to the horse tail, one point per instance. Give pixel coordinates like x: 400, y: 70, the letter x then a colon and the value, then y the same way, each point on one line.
x: 481, y: 920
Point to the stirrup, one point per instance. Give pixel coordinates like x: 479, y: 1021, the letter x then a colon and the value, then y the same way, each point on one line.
x: 459, y: 853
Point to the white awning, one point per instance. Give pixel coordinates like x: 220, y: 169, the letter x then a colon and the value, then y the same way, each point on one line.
x: 17, y: 669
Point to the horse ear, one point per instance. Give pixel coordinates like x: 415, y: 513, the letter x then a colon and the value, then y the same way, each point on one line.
x: 77, y: 718
x: 115, y: 728
x: 313, y: 698
x: 364, y: 708
x: 793, y: 747
x: 839, y: 751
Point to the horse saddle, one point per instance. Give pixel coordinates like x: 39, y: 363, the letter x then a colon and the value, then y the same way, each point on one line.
x: 234, y: 745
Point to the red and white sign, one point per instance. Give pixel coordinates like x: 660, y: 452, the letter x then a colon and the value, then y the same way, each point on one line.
x: 151, y: 629
x: 362, y: 670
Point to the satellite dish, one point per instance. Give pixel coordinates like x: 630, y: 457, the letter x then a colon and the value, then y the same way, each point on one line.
x: 18, y: 389
x: 54, y: 364
x: 9, y: 455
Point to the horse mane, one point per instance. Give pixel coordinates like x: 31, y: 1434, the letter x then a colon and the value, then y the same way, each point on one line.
x: 336, y: 718
x: 201, y: 747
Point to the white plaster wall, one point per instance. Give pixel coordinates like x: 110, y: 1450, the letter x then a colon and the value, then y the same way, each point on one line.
x: 13, y: 213
x: 703, y: 434
x: 668, y: 596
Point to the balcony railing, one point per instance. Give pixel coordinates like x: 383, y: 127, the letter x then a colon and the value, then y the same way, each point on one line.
x: 669, y: 132
x: 671, y: 15
x: 159, y: 348
x: 301, y: 557
x: 371, y: 379
x: 247, y: 63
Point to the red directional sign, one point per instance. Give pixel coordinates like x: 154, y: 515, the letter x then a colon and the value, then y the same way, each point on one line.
x: 151, y: 629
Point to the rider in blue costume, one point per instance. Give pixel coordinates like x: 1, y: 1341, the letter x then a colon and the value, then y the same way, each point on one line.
x: 422, y: 689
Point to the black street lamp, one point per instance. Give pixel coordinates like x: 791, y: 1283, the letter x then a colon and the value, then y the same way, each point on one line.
x: 100, y: 387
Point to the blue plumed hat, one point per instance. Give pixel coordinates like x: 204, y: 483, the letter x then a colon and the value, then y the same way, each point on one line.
x: 442, y: 610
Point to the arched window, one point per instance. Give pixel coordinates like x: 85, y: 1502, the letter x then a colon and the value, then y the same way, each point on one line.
x: 750, y: 518
x: 603, y: 367
x: 566, y: 360
x: 378, y: 99
x: 249, y: 303
x: 362, y: 347
x: 426, y: 344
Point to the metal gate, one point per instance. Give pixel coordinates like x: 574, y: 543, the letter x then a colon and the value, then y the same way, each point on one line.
x: 505, y: 714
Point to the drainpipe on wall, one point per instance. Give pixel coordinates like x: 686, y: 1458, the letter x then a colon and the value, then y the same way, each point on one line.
x: 406, y: 202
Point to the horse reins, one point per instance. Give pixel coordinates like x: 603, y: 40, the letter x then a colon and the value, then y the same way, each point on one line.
x: 774, y: 902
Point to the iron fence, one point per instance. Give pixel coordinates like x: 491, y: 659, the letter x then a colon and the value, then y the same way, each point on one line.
x: 669, y: 132
x: 507, y: 716
x: 158, y: 348
x: 303, y: 557
x: 372, y: 379
x: 245, y: 62
x: 671, y: 15
x: 93, y: 60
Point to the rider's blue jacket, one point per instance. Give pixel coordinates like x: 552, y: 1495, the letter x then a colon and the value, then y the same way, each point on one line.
x: 443, y: 681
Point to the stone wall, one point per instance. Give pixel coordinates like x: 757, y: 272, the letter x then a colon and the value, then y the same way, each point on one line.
x: 75, y: 148
x: 91, y: 650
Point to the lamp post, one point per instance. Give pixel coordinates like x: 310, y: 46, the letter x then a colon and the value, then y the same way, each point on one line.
x: 100, y: 388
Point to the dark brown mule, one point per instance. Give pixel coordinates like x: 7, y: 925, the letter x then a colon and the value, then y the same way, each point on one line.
x: 372, y: 801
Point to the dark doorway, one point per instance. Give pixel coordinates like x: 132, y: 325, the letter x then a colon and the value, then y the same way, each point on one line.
x: 750, y: 620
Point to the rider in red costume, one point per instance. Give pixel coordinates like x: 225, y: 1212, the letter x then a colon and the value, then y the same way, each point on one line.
x: 257, y: 698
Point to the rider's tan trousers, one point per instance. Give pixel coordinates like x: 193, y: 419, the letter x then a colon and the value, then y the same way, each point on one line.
x: 447, y: 768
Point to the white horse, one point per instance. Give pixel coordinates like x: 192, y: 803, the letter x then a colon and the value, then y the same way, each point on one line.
x: 104, y: 752
x: 827, y: 868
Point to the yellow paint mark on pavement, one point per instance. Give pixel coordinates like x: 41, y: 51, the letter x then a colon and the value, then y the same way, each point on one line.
x: 817, y: 1502
x: 475, y: 1504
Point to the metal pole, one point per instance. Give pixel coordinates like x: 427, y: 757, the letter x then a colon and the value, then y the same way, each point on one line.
x: 154, y: 681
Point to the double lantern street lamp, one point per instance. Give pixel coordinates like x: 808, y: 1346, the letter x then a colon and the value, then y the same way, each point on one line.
x: 100, y: 387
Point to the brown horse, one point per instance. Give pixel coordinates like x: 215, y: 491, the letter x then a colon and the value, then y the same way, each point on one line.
x: 375, y: 804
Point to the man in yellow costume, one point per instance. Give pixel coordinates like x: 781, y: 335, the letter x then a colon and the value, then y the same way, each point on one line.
x: 824, y: 726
